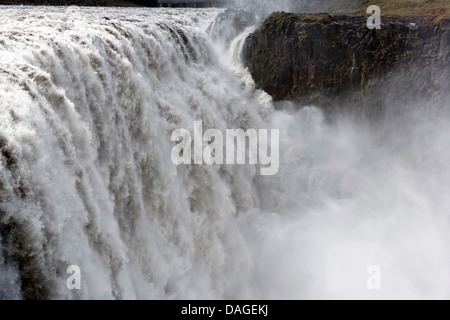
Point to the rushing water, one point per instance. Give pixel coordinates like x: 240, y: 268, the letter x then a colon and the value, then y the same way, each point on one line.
x: 88, y: 101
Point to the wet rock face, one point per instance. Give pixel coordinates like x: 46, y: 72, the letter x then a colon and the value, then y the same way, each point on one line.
x: 336, y: 61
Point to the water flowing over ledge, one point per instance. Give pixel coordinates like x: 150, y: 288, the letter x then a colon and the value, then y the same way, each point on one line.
x: 89, y: 99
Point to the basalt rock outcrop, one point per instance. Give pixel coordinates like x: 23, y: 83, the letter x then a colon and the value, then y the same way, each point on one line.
x: 337, y: 62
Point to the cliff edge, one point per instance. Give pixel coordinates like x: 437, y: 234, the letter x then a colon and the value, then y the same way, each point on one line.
x: 335, y: 61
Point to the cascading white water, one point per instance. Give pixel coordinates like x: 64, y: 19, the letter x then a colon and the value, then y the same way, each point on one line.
x: 89, y: 98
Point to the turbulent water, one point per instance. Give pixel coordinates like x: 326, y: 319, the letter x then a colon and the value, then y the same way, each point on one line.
x: 89, y: 99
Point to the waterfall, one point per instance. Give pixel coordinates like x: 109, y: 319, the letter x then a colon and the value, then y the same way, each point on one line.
x: 89, y: 99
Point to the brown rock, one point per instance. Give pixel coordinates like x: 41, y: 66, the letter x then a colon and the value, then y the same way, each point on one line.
x: 336, y: 62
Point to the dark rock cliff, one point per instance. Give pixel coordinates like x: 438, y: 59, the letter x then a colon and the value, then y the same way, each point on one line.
x: 337, y: 62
